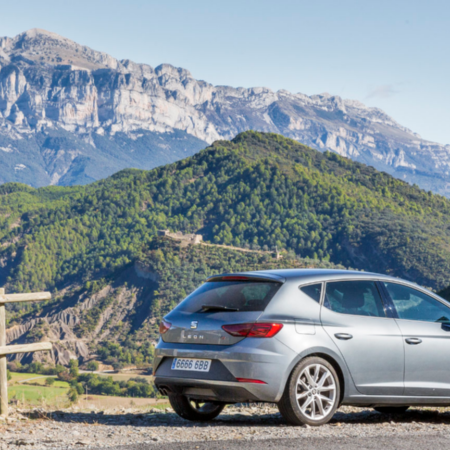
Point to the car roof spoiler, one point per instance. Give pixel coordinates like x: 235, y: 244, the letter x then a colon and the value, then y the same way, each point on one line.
x: 243, y: 276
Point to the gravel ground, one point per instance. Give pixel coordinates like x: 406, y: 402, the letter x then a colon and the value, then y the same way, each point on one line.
x: 69, y: 429
x: 424, y: 442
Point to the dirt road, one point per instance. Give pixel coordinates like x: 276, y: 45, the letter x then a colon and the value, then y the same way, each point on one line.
x: 422, y: 442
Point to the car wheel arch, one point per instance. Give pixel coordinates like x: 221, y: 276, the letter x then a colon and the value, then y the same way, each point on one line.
x: 339, y: 365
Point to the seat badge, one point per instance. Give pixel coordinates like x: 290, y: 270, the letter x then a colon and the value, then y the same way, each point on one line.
x: 194, y: 324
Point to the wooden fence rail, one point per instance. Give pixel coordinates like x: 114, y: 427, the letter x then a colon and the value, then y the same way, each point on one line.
x: 11, y: 349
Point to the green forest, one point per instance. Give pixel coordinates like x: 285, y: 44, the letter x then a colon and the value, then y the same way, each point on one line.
x: 257, y: 191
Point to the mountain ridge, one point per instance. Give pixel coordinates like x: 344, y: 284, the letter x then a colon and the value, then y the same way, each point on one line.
x: 50, y: 84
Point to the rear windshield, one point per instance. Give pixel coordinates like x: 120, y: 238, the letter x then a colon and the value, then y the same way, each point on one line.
x: 233, y: 295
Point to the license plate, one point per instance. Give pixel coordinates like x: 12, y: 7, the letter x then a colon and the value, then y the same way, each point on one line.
x: 195, y: 365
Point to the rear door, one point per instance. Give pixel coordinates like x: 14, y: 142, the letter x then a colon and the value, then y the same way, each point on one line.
x: 231, y: 300
x: 425, y: 325
x: 354, y: 316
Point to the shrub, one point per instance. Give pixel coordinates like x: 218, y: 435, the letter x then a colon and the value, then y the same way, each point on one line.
x: 72, y: 395
x: 73, y: 368
x: 92, y: 366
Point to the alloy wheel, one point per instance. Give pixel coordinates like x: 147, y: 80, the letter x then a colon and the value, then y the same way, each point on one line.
x: 316, y: 391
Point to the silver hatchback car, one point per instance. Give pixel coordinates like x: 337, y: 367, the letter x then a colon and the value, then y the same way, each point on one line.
x: 309, y: 341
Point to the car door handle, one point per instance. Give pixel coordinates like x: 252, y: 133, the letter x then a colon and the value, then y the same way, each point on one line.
x: 343, y: 336
x: 413, y: 341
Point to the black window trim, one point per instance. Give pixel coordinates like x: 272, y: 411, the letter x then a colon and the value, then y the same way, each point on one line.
x: 322, y: 291
x: 389, y: 306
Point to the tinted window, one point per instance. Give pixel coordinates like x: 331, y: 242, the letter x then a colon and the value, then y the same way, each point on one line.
x: 354, y: 297
x: 240, y: 295
x: 414, y: 305
x: 313, y: 291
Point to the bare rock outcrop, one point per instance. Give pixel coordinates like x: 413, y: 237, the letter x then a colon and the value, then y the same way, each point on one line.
x: 111, y: 312
x: 48, y: 83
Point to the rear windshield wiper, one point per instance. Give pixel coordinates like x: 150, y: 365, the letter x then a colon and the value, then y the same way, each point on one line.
x: 217, y: 308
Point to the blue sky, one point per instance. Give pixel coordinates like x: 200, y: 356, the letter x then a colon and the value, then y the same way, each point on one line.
x: 390, y: 54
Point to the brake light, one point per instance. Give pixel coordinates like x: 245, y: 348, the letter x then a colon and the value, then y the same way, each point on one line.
x: 257, y: 330
x: 164, y: 327
x: 235, y: 278
x: 250, y: 380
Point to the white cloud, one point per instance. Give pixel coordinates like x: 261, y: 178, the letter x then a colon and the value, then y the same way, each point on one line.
x: 383, y: 91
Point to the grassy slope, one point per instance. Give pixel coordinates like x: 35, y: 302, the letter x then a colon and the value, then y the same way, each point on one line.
x: 56, y: 396
x: 37, y: 395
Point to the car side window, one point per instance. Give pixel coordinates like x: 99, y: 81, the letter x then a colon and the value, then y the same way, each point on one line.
x: 313, y: 291
x: 412, y: 304
x: 354, y: 297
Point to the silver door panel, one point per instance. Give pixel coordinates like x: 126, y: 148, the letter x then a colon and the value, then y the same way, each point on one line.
x: 374, y: 353
x: 427, y: 363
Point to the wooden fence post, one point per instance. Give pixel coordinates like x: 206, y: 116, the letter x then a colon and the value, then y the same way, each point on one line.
x: 10, y: 349
x: 3, y: 371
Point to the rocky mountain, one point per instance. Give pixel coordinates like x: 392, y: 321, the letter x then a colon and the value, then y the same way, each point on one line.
x: 96, y: 246
x: 71, y: 115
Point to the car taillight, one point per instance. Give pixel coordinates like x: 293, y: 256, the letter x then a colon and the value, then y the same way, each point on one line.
x: 235, y: 278
x: 164, y: 327
x: 241, y: 329
x: 258, y: 330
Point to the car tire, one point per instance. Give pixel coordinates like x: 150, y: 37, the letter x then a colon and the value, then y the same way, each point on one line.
x: 391, y: 409
x: 191, y: 410
x: 310, y: 400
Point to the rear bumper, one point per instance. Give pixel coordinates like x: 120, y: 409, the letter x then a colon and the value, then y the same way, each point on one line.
x: 220, y: 391
x: 267, y: 360
x: 217, y: 385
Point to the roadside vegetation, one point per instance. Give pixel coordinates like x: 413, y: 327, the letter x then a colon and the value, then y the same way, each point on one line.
x: 69, y: 385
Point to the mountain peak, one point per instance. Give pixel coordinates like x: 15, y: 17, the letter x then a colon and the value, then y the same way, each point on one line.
x: 34, y: 32
x: 173, y: 71
x: 45, y: 47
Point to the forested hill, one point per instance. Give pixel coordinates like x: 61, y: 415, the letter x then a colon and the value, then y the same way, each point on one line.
x: 258, y: 190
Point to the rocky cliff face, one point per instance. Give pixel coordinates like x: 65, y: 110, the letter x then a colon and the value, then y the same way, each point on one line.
x: 69, y: 114
x: 118, y: 309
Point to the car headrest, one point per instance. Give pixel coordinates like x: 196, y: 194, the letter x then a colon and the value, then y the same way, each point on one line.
x: 353, y: 296
x: 238, y: 298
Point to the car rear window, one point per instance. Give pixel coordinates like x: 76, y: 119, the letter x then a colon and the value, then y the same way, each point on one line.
x: 235, y: 295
